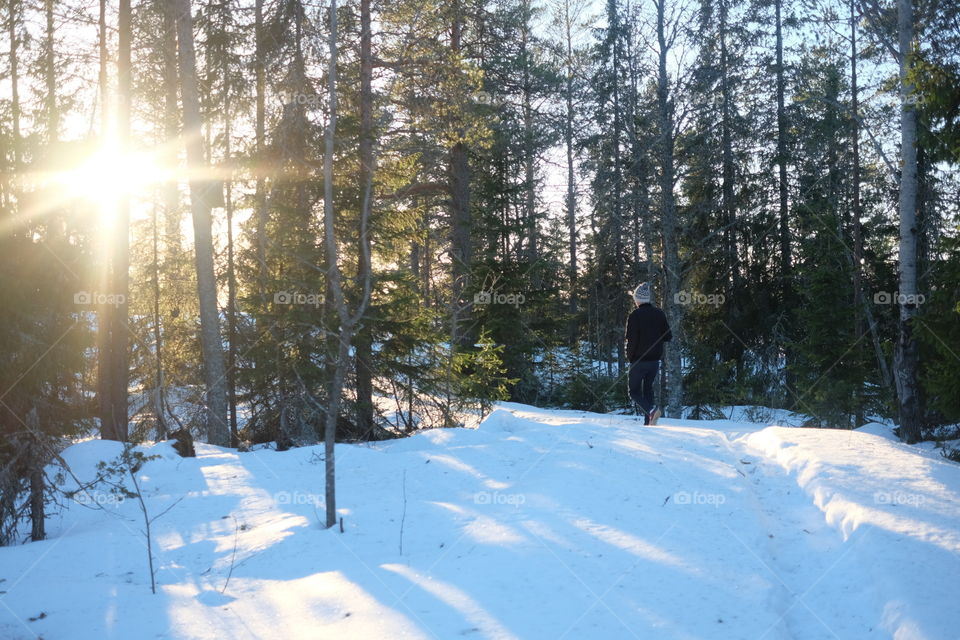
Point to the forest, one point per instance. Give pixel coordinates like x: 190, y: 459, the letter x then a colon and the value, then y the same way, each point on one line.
x: 302, y: 222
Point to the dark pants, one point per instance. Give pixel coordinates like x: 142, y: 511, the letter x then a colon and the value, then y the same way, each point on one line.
x: 642, y: 375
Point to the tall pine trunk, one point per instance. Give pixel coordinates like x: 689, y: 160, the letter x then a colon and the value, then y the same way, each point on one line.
x: 231, y: 270
x: 104, y: 312
x: 668, y: 217
x: 616, y: 296
x: 727, y: 170
x: 14, y: 82
x: 529, y: 161
x: 907, y: 353
x: 261, y: 188
x: 364, y: 347
x: 112, y: 333
x: 785, y: 261
x: 120, y: 332
x: 37, y: 458
x: 333, y: 280
x: 50, y: 75
x: 571, y: 198
x: 218, y: 432
x: 855, y: 201
x: 461, y: 248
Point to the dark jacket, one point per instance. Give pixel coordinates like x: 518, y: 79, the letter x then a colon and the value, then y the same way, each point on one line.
x: 647, y: 330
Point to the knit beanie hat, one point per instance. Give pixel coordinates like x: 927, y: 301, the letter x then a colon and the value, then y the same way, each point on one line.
x: 643, y: 293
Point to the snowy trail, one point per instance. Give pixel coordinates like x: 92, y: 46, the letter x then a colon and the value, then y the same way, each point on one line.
x: 539, y: 524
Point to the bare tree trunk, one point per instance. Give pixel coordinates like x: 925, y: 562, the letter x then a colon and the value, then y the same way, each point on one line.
x: 461, y: 248
x: 668, y: 215
x: 785, y: 260
x: 50, y: 76
x: 171, y: 200
x: 333, y: 278
x: 529, y: 203
x: 104, y: 312
x: 347, y: 322
x: 857, y: 235
x: 171, y: 118
x: 112, y: 337
x: 261, y: 189
x: 120, y: 332
x: 37, y: 482
x: 218, y: 432
x: 158, y: 410
x: 728, y: 206
x: 907, y: 352
x: 638, y: 158
x: 231, y: 271
x: 571, y: 200
x: 364, y: 347
x: 14, y: 82
x: 618, y: 300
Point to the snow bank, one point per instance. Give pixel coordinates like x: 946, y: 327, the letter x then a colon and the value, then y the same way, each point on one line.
x: 537, y: 524
x: 897, y: 507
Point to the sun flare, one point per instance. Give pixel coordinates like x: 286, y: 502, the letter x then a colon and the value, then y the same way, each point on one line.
x: 108, y: 174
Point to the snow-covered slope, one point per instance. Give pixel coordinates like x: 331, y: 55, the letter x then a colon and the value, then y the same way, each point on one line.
x: 539, y: 524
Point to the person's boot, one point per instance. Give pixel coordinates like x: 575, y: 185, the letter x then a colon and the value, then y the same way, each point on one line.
x: 653, y: 416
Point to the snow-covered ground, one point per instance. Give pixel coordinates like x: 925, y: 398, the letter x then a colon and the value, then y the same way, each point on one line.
x: 539, y: 524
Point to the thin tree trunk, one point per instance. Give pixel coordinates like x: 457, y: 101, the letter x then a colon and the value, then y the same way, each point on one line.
x: 261, y: 189
x: 171, y: 196
x: 347, y: 322
x: 218, y: 432
x: 109, y: 391
x: 104, y: 311
x: 120, y: 332
x: 333, y: 278
x: 50, y: 76
x: 618, y: 300
x: 364, y: 347
x: 571, y: 200
x: 171, y: 119
x: 671, y: 257
x: 728, y: 207
x: 907, y: 352
x: 529, y: 204
x: 460, y: 222
x: 785, y: 261
x: 158, y: 410
x: 37, y: 481
x: 635, y: 155
x: 14, y: 82
x: 231, y: 271
x: 857, y: 235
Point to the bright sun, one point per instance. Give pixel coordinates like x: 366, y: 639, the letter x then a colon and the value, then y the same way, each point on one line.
x: 108, y: 174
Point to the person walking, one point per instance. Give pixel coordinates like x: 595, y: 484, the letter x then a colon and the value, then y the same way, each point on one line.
x: 647, y: 330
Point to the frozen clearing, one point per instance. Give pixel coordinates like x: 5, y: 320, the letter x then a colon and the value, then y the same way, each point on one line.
x: 539, y: 524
